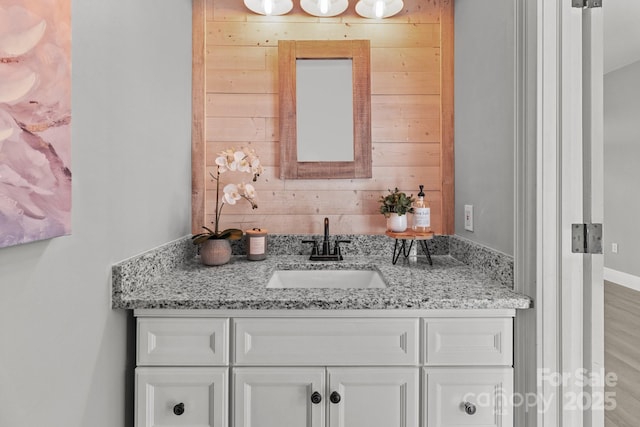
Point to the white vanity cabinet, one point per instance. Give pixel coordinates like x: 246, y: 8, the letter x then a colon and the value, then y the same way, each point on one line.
x: 182, y: 372
x: 322, y: 368
x: 468, y: 378
x: 321, y: 397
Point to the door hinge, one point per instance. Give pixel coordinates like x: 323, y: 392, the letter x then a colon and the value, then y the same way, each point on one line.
x: 586, y: 4
x: 586, y: 238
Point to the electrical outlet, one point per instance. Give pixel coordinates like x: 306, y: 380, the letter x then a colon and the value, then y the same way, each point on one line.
x: 614, y: 248
x: 468, y: 217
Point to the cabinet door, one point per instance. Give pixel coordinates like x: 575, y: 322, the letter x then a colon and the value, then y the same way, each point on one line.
x: 278, y: 397
x: 468, y: 397
x: 181, y: 397
x: 373, y: 397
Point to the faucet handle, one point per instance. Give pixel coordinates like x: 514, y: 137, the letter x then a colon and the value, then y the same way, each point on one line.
x: 336, y: 247
x: 314, y: 250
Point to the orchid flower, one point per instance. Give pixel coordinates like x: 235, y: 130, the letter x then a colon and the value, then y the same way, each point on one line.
x: 233, y: 160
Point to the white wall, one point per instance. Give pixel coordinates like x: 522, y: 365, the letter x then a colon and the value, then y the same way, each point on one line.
x: 63, y: 350
x: 484, y: 120
x: 621, y: 168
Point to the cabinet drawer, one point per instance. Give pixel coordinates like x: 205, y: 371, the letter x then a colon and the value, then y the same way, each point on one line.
x: 468, y: 397
x: 468, y: 342
x: 326, y: 341
x: 190, y: 342
x: 181, y: 397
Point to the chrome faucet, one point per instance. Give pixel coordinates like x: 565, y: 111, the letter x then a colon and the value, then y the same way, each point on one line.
x: 326, y: 254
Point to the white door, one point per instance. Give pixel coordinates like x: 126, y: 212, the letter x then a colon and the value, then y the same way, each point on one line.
x: 189, y: 397
x: 278, y: 397
x: 372, y: 397
x: 570, y: 163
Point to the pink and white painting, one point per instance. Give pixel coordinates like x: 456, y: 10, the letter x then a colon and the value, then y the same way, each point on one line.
x: 35, y: 120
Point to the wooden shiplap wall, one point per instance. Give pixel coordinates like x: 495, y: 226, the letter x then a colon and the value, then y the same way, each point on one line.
x: 412, y: 115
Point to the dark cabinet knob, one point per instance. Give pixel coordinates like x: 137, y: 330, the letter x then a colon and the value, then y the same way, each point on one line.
x: 335, y: 397
x: 469, y: 408
x: 316, y: 398
x: 179, y: 409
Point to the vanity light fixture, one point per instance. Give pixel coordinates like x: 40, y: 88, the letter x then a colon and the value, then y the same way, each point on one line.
x: 324, y: 8
x: 378, y: 9
x: 373, y: 9
x: 269, y: 7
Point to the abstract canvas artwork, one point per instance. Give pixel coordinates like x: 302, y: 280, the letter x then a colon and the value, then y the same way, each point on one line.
x: 35, y: 120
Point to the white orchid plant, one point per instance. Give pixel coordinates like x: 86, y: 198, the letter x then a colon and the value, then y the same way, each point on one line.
x: 232, y: 160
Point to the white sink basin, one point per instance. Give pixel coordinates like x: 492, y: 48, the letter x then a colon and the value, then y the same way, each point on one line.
x: 335, y: 279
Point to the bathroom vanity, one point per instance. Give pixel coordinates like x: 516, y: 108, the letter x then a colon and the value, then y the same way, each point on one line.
x: 216, y: 347
x: 324, y: 368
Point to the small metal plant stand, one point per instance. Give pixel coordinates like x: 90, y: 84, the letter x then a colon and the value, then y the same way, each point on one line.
x: 400, y: 246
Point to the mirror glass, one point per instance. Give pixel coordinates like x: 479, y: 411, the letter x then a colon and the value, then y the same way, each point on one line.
x: 324, y: 110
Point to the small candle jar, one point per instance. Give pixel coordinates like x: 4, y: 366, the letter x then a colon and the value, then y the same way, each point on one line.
x: 256, y: 244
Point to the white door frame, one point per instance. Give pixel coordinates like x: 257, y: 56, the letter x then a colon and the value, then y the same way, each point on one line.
x: 568, y: 312
x: 593, y: 173
x: 549, y: 230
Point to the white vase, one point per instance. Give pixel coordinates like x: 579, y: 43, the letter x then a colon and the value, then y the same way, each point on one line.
x: 396, y: 223
x: 215, y: 252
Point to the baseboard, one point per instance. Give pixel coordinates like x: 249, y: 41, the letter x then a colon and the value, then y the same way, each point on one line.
x: 623, y: 279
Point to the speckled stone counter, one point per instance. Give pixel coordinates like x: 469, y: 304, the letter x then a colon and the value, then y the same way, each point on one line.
x: 157, y: 280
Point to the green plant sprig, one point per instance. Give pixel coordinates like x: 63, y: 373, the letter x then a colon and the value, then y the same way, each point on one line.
x: 229, y: 233
x: 396, y: 202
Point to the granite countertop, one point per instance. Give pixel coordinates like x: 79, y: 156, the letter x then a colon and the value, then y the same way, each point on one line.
x: 241, y: 284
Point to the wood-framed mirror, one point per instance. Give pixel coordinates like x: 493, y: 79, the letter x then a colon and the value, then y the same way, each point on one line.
x: 296, y: 162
